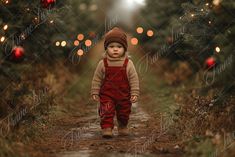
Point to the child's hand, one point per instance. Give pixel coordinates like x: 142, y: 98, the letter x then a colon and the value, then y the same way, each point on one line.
x: 133, y: 98
x: 96, y: 97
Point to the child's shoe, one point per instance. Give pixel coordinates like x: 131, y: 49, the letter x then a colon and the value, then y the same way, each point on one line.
x: 122, y: 130
x: 107, y: 133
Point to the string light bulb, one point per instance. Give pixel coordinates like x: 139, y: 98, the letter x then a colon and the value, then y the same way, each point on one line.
x: 63, y: 43
x: 134, y: 41
x: 7, y: 2
x: 216, y: 2
x: 217, y: 49
x: 2, y: 39
x: 5, y: 27
x: 80, y: 52
x: 80, y: 37
x: 88, y: 42
x: 57, y: 43
x: 76, y: 43
x: 150, y: 33
x: 139, y: 30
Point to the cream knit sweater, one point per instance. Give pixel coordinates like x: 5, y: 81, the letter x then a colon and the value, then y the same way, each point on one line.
x: 100, y: 73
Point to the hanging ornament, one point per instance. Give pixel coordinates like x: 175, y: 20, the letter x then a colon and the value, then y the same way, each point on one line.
x: 210, y: 62
x: 17, y: 53
x: 48, y: 3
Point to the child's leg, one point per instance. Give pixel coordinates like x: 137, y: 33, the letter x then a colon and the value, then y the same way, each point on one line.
x: 106, y: 112
x: 123, y: 112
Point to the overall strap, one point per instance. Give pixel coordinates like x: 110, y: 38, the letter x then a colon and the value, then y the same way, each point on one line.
x: 105, y: 62
x: 125, y: 62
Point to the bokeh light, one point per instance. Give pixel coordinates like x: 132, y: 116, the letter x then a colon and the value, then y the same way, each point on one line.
x: 88, y: 42
x: 76, y: 43
x: 63, y: 43
x: 80, y: 37
x: 150, y: 33
x: 134, y: 41
x: 57, y: 43
x: 139, y: 30
x: 80, y: 52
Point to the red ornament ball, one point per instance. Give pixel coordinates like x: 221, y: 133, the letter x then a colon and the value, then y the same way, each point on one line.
x: 48, y: 3
x: 17, y: 52
x: 210, y: 62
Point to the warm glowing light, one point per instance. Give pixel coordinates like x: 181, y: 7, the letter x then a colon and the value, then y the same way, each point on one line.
x: 76, y: 43
x: 216, y: 2
x: 5, y: 27
x: 2, y: 39
x: 18, y: 52
x: 134, y: 41
x: 23, y: 36
x: 57, y: 43
x: 150, y: 33
x: 139, y: 30
x: 88, y: 42
x: 210, y: 62
x: 63, y: 43
x: 80, y: 52
x: 192, y: 15
x: 80, y: 37
x: 93, y: 7
x: 217, y: 49
x: 131, y: 2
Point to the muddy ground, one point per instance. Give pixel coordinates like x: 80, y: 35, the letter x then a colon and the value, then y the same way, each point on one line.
x: 77, y: 134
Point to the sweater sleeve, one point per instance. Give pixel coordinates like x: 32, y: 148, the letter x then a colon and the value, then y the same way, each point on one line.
x: 97, y: 78
x: 133, y: 78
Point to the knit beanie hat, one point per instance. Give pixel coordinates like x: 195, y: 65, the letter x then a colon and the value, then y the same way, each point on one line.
x: 116, y: 35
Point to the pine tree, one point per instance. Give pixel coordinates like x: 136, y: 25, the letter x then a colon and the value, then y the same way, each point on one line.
x: 34, y: 32
x: 198, y: 32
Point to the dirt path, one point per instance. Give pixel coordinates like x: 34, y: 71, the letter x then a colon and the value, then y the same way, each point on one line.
x: 75, y: 135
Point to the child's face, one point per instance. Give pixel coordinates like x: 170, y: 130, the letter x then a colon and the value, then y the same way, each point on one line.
x: 115, y: 50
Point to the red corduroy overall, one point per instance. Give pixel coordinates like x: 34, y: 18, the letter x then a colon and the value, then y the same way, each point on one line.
x: 114, y: 95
